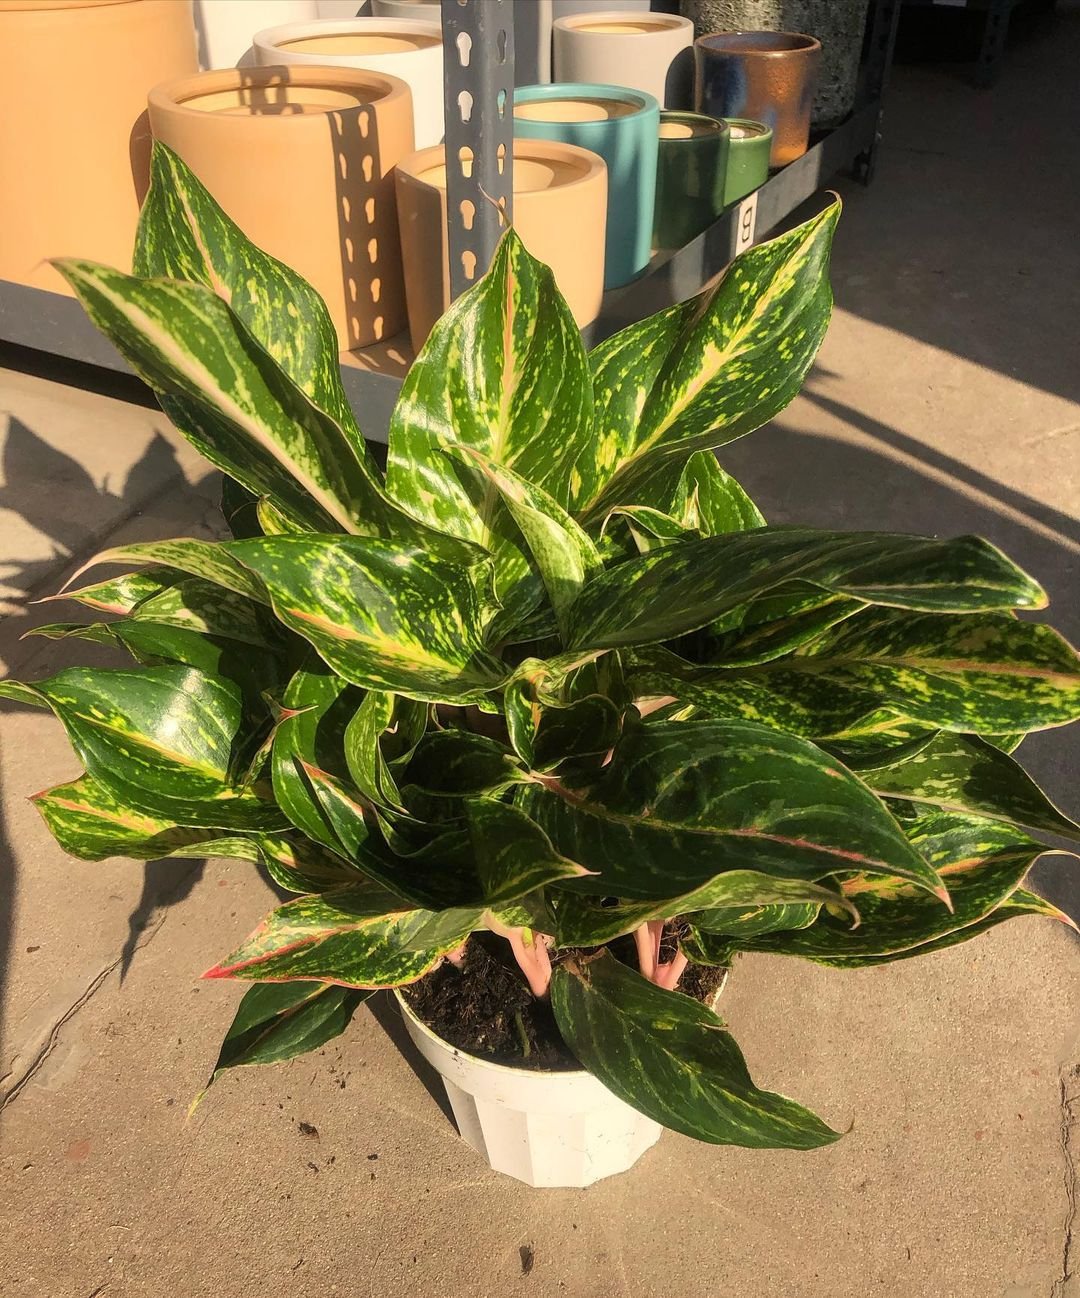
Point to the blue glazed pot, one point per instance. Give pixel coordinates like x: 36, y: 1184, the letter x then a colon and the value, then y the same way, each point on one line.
x: 622, y: 126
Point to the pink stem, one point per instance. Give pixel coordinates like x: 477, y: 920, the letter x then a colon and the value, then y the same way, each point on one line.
x: 656, y: 932
x: 668, y: 975
x: 646, y: 951
x: 533, y: 960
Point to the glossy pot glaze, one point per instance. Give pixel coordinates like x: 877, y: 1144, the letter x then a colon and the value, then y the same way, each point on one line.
x: 768, y: 77
x: 691, y: 171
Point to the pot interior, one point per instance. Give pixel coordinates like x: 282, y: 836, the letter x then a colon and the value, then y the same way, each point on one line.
x: 360, y: 43
x: 747, y: 130
x: 575, y: 108
x: 531, y: 175
x: 688, y: 129
x: 758, y: 43
x: 628, y: 26
x: 290, y: 100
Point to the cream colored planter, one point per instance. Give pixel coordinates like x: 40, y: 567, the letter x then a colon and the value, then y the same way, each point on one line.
x: 560, y: 212
x: 400, y: 47
x: 621, y: 47
x: 74, y: 141
x: 226, y: 28
x: 302, y: 159
x: 544, y: 1128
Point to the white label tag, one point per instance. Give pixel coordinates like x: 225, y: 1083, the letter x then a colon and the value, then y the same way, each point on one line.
x: 745, y: 223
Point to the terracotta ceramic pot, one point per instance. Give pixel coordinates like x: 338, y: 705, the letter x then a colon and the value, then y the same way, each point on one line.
x: 407, y: 48
x: 560, y: 212
x: 690, y: 172
x: 302, y: 160
x: 766, y: 76
x: 620, y: 125
x: 74, y: 143
x: 645, y: 51
x: 749, y: 146
x: 226, y: 28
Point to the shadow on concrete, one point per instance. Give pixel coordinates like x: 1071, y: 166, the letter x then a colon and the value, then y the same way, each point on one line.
x: 384, y: 1010
x: 967, y: 237
x: 799, y: 477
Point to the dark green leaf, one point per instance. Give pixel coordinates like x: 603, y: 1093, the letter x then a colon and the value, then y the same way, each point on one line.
x: 681, y: 802
x: 672, y: 1059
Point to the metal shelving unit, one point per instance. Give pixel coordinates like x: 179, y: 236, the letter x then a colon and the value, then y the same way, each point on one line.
x: 478, y: 38
x: 995, y: 30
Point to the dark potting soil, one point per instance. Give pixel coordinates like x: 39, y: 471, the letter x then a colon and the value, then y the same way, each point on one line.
x: 484, y: 1006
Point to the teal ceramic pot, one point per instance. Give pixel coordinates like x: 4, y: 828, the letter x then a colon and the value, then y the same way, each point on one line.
x: 749, y: 146
x: 691, y: 170
x: 622, y: 126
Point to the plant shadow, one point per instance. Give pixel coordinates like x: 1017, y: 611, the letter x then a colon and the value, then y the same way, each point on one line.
x: 385, y: 1012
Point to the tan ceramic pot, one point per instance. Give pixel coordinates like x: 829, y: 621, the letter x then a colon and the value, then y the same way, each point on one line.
x: 74, y: 143
x: 302, y: 160
x: 560, y: 212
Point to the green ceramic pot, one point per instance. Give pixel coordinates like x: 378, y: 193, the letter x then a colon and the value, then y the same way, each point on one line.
x: 622, y: 126
x: 750, y: 144
x: 691, y: 170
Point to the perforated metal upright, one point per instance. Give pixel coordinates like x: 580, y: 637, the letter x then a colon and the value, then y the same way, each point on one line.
x: 478, y: 45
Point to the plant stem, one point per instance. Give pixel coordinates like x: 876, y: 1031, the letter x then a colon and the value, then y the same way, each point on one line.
x: 533, y: 959
x: 646, y: 951
x: 668, y: 975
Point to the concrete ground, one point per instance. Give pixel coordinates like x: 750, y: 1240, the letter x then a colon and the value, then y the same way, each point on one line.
x: 946, y: 400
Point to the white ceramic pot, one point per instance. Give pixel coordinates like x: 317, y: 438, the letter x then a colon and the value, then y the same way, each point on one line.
x: 225, y: 27
x: 546, y: 1129
x: 532, y: 32
x: 621, y: 47
x: 407, y: 48
x: 342, y: 8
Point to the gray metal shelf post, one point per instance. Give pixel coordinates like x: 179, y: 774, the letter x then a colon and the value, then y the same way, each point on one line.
x: 478, y: 54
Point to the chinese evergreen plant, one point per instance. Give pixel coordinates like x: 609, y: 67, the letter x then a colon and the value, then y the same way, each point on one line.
x: 552, y: 675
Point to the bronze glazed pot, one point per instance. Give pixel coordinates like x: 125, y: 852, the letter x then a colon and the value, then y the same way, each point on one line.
x: 302, y: 159
x: 769, y: 77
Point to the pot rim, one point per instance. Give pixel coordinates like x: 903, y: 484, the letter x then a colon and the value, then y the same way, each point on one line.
x: 645, y: 103
x: 485, y: 1065
x: 175, y: 96
x: 581, y: 23
x: 51, y: 6
x: 686, y: 115
x: 411, y: 167
x: 270, y: 38
x: 811, y: 45
x: 761, y: 131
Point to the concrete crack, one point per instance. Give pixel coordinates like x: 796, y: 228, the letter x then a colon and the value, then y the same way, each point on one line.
x: 1068, y: 1118
x: 33, y: 1067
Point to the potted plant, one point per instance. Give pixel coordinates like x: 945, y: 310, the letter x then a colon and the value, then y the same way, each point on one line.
x: 549, y: 703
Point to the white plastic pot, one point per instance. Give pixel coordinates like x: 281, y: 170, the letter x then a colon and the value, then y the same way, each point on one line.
x: 225, y: 27
x: 544, y: 1128
x: 408, y: 48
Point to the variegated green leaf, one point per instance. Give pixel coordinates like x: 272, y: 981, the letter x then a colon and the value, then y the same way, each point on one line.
x: 231, y: 400
x: 503, y: 372
x: 590, y: 921
x: 460, y: 764
x: 278, y: 1021
x: 513, y: 854
x: 983, y: 673
x: 982, y: 863
x: 120, y: 594
x: 208, y: 560
x: 681, y: 802
x: 320, y: 704
x: 672, y: 1059
x: 89, y: 821
x: 164, y: 740
x: 711, y: 369
x: 777, y: 624
x: 748, y: 921
x: 184, y: 235
x: 682, y: 588
x: 384, y: 617
x: 710, y: 500
x: 1016, y: 906
x: 355, y: 936
x: 560, y: 548
x: 961, y: 773
x: 367, y: 765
